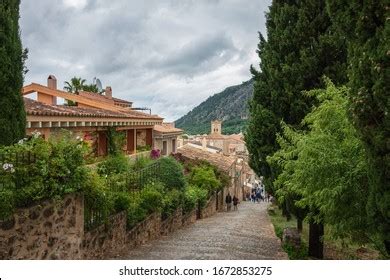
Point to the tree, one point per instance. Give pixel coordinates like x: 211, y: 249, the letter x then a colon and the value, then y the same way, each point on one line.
x: 366, y: 26
x: 75, y: 85
x: 301, y: 47
x: 12, y: 57
x: 91, y: 88
x: 326, y: 168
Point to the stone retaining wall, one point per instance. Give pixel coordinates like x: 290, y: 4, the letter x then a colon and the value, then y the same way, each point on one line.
x: 106, y: 239
x: 55, y: 230
x: 210, y: 208
x: 147, y: 230
x: 172, y: 223
x: 48, y: 230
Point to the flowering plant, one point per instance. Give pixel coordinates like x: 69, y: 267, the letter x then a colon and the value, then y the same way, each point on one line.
x: 155, y: 153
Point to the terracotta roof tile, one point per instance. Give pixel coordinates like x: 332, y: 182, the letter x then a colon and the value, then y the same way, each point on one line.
x: 167, y: 128
x: 221, y: 161
x: 37, y: 108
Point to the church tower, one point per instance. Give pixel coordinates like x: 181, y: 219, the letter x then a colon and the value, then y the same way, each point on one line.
x: 216, y: 127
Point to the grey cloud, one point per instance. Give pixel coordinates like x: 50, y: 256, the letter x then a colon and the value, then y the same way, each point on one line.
x: 202, y: 54
x: 168, y: 55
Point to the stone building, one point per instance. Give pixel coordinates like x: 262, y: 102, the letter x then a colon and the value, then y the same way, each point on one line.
x: 166, y: 138
x: 92, y: 117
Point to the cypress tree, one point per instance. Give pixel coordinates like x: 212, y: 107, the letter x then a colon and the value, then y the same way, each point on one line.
x: 12, y: 57
x: 366, y: 26
x: 301, y: 47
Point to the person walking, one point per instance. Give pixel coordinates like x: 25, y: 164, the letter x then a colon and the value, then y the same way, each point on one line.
x: 235, y: 203
x: 228, y: 201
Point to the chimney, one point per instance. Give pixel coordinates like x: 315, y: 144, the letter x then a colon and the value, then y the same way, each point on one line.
x: 108, y: 92
x: 52, y: 84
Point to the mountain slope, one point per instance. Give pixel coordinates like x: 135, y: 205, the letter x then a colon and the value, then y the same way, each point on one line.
x: 230, y: 106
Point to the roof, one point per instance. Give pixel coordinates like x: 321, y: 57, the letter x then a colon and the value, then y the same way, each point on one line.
x: 233, y: 137
x: 37, y: 108
x: 198, y: 143
x: 222, y: 161
x: 121, y: 100
x: 103, y: 98
x: 167, y: 128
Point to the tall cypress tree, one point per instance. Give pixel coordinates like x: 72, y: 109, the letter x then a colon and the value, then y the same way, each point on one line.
x: 366, y: 26
x: 12, y: 56
x: 301, y: 47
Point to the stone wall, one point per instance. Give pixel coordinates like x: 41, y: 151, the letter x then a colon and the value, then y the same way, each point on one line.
x: 147, y: 230
x: 106, y: 239
x: 48, y: 230
x: 210, y: 208
x: 189, y: 218
x: 172, y: 223
x: 55, y: 230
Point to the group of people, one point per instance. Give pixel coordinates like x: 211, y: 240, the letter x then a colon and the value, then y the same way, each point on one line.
x: 229, y: 200
x: 258, y: 194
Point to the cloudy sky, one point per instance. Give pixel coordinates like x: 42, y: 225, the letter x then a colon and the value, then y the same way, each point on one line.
x: 169, y: 55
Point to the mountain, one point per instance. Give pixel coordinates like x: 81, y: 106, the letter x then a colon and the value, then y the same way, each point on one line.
x: 230, y: 106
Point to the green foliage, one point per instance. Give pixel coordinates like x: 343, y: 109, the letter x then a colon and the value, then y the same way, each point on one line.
x: 171, y: 173
x: 135, y: 212
x: 365, y: 24
x: 58, y: 169
x: 204, y: 177
x: 75, y: 85
x: 97, y: 196
x: 152, y: 198
x: 115, y: 140
x: 229, y: 105
x: 301, y: 47
x: 12, y: 57
x: 325, y: 168
x: 171, y: 201
x: 293, y: 253
x: 194, y: 195
x: 122, y: 201
x: 7, y: 203
x: 114, y: 164
x: 141, y: 162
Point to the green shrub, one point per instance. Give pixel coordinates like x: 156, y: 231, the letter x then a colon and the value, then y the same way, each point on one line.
x: 141, y: 162
x: 114, y: 164
x: 171, y: 201
x: 293, y: 253
x: 122, y: 201
x: 7, y: 203
x: 135, y: 212
x: 171, y: 173
x: 194, y: 195
x: 152, y: 198
x: 117, y: 182
x: 204, y: 177
x: 56, y: 167
x: 115, y: 140
x: 96, y: 194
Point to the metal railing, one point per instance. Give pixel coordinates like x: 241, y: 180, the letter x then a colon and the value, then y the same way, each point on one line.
x: 26, y: 158
x: 135, y: 181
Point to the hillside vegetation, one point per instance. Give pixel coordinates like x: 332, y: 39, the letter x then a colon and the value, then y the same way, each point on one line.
x: 230, y: 106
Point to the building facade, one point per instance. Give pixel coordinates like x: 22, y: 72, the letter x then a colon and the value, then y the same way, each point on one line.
x: 91, y: 118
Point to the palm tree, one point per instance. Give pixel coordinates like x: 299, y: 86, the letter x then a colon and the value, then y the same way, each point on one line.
x: 74, y: 86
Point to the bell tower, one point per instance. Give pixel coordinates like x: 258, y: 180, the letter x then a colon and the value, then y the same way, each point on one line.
x: 216, y: 127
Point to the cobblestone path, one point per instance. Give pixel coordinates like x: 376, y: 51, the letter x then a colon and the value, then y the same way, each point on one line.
x: 243, y: 234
